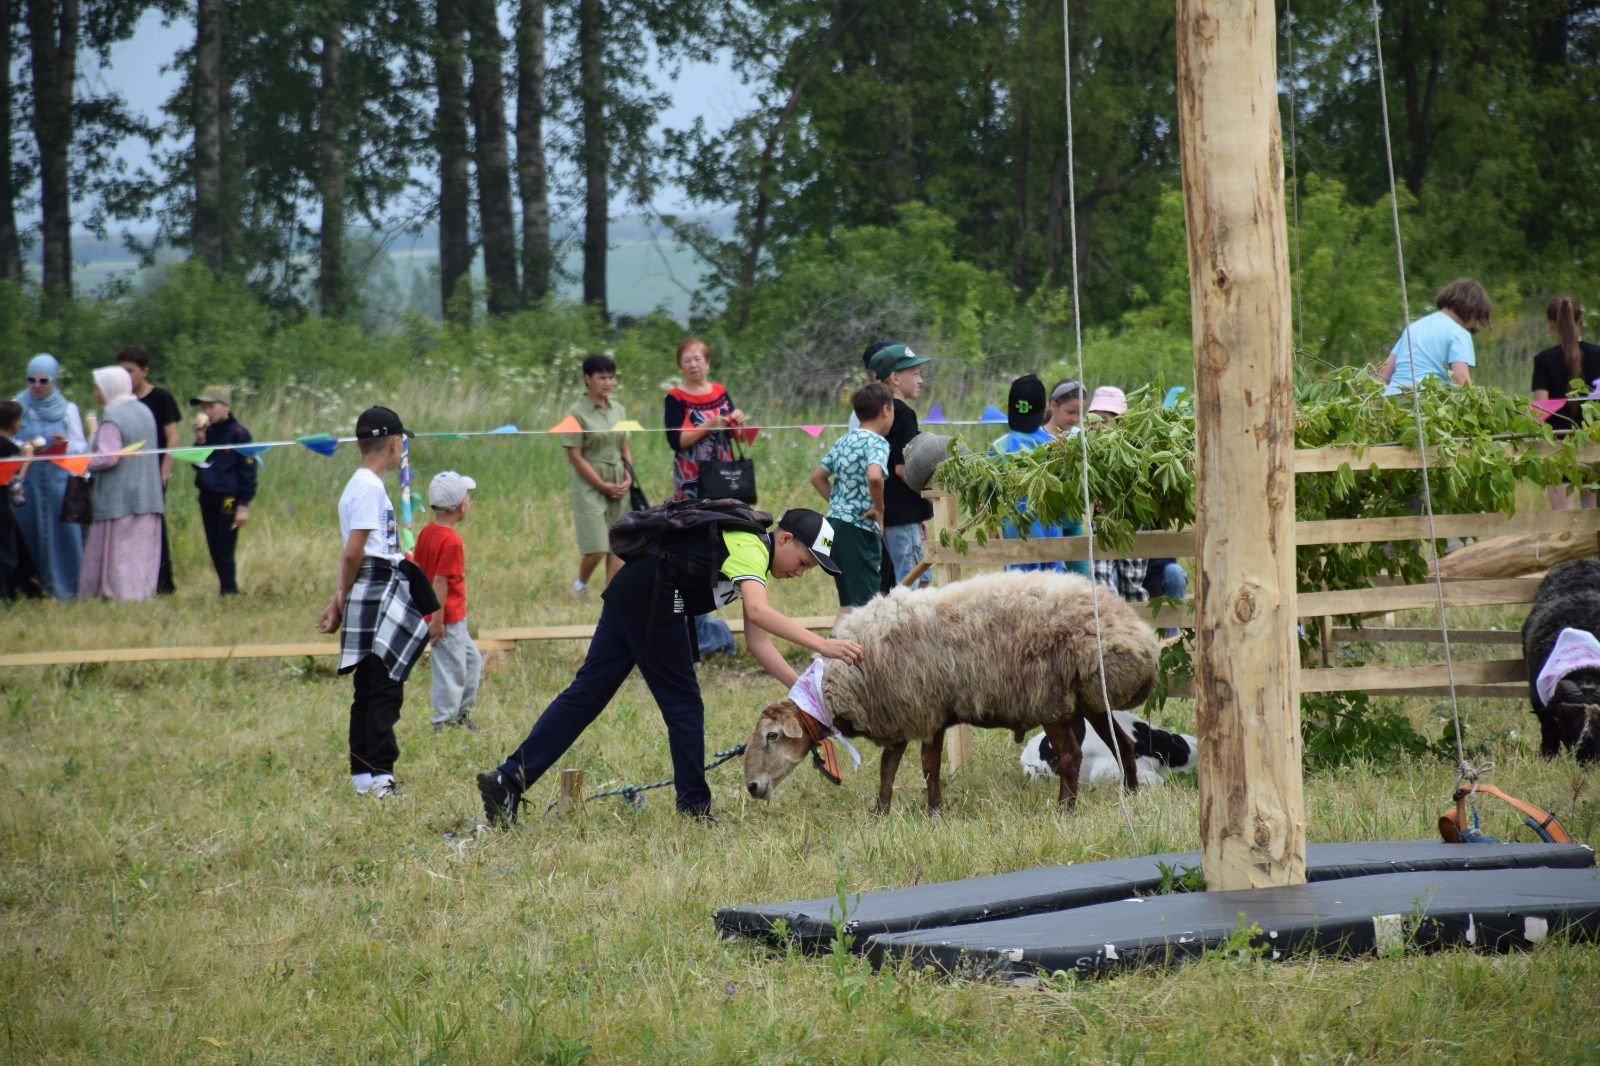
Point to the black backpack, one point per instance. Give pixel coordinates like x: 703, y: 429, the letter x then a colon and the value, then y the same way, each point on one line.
x: 685, y: 536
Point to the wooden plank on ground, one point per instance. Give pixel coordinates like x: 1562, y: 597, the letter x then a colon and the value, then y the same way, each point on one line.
x: 191, y: 653
x: 1411, y: 597
x: 1410, y: 678
x: 1423, y: 635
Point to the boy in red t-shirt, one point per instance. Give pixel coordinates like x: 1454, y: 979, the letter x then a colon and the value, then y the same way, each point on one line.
x: 457, y: 663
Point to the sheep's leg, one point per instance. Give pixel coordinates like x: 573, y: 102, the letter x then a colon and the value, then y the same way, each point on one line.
x: 932, y: 754
x: 1068, y: 743
x: 1113, y: 734
x: 888, y: 766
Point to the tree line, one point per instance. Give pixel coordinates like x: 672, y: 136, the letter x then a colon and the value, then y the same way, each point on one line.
x: 496, y: 120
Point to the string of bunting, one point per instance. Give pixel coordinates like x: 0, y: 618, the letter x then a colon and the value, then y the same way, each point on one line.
x: 325, y: 444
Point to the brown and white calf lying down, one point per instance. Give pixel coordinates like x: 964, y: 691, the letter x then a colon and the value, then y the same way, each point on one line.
x: 1013, y: 650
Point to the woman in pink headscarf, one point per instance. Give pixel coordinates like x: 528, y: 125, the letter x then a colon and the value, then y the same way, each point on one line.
x: 123, y: 555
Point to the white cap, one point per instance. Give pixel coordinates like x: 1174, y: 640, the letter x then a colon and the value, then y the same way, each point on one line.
x: 448, y: 489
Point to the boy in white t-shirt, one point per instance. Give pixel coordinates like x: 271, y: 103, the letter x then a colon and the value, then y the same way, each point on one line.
x: 384, y: 627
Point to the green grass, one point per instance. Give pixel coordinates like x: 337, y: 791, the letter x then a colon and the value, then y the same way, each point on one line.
x: 185, y: 874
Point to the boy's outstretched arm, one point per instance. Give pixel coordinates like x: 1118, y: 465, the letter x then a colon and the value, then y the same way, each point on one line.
x: 819, y: 481
x: 761, y: 616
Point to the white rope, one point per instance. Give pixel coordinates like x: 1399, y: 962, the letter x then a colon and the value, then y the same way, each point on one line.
x: 1462, y: 769
x: 1083, y: 437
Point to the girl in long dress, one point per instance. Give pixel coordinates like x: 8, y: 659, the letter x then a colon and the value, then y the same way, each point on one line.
x: 55, y: 547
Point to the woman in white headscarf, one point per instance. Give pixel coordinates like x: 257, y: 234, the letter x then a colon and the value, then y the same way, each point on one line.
x: 123, y: 556
x: 49, y: 420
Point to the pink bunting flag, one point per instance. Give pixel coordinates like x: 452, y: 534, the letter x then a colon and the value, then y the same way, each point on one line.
x: 813, y: 431
x: 1543, y: 409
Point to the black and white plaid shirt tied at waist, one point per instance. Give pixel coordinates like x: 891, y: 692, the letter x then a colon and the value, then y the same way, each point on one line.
x: 1125, y: 577
x: 380, y: 618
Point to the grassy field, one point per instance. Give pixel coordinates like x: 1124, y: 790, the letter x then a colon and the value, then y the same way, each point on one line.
x: 185, y: 874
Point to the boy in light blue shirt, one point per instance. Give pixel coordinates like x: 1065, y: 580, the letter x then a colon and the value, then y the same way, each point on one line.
x: 851, y: 479
x: 1025, y: 411
x: 1439, y: 345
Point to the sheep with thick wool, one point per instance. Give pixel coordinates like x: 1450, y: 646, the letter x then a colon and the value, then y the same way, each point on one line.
x: 1012, y: 650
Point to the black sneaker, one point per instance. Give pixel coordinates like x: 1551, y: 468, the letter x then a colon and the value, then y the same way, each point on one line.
x: 500, y: 797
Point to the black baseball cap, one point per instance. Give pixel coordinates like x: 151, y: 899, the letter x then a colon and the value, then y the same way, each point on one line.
x: 873, y: 349
x: 814, y: 533
x: 380, y: 422
x: 1025, y: 406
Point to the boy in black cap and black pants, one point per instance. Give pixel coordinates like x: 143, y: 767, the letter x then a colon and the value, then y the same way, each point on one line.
x: 643, y: 623
x: 379, y: 645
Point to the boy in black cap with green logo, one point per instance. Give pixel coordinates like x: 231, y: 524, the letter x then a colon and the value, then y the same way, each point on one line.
x: 380, y: 600
x: 643, y: 622
x: 1025, y: 411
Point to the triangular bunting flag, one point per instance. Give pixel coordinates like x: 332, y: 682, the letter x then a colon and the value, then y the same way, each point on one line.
x: 73, y: 464
x: 507, y: 428
x: 812, y: 431
x: 992, y: 414
x: 934, y: 417
x: 321, y: 443
x: 252, y: 451
x: 1543, y: 409
x: 193, y: 455
x: 9, y: 468
x: 570, y: 424
x: 1170, y: 400
x: 58, y: 448
x: 444, y: 436
x: 628, y: 425
x: 130, y: 448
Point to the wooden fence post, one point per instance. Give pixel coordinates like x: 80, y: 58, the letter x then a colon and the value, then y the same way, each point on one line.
x: 570, y: 799
x: 1252, y: 808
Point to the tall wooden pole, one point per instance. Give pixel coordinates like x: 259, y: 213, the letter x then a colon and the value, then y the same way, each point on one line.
x: 1252, y: 812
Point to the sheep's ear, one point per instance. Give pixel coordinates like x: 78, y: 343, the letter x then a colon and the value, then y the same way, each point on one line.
x: 792, y: 727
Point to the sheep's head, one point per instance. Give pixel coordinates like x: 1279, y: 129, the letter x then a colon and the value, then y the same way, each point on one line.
x: 1575, y: 707
x: 781, y: 741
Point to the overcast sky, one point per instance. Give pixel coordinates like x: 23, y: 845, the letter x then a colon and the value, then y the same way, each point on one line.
x: 136, y: 71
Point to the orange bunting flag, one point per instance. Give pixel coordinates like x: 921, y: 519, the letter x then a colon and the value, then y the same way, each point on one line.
x: 570, y: 424
x: 9, y: 468
x: 72, y: 464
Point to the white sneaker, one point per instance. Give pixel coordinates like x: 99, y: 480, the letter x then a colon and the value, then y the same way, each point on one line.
x: 362, y: 783
x: 580, y: 591
x: 383, y: 786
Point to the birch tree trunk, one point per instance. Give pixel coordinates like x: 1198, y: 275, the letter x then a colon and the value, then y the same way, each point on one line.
x: 455, y: 185
x: 594, y: 152
x: 1252, y: 812
x: 497, y: 226
x: 533, y: 183
x: 207, y: 236
x: 53, y: 47
x: 331, y: 162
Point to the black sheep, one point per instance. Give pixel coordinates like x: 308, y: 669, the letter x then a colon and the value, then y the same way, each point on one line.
x: 1568, y: 598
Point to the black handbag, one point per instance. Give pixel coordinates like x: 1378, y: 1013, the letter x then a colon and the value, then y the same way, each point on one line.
x: 77, y: 503
x: 729, y: 479
x: 637, y: 500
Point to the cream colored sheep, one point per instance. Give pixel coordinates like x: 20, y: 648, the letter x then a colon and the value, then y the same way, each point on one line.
x: 1012, y: 650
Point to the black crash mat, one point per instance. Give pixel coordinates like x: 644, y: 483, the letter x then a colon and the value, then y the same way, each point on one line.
x: 1055, y: 888
x: 1488, y: 909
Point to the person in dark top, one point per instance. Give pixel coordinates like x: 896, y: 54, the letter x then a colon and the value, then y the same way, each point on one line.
x: 1573, y: 359
x: 135, y: 359
x: 904, y: 510
x: 227, y: 480
x: 10, y: 540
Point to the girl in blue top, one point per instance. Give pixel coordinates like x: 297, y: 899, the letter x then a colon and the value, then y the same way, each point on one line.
x: 1439, y: 345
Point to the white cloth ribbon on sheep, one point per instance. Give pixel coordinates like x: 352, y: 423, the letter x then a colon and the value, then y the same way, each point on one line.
x: 1575, y: 649
x: 806, y: 693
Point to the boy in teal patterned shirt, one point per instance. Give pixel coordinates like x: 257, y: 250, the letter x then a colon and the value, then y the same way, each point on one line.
x: 851, y: 479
